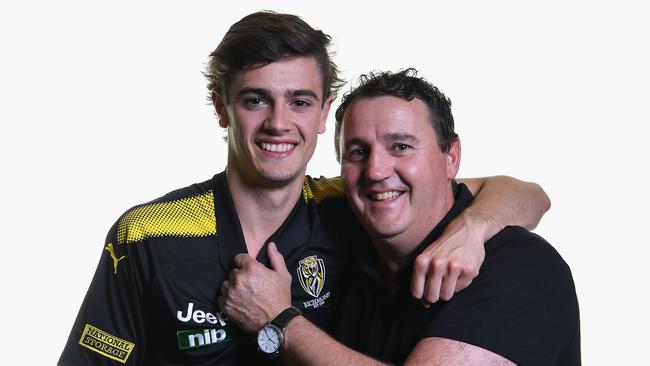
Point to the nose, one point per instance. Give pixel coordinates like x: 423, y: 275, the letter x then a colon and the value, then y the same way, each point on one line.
x: 379, y: 165
x: 277, y: 121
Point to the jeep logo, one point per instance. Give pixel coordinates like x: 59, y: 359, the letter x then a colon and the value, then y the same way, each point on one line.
x: 200, y: 316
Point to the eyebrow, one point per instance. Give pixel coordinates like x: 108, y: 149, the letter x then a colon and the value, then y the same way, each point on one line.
x: 353, y: 142
x: 400, y: 136
x: 265, y: 93
x: 302, y: 93
x: 389, y: 137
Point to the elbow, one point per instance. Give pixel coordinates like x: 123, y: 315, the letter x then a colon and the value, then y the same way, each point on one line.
x: 542, y: 206
x: 546, y: 200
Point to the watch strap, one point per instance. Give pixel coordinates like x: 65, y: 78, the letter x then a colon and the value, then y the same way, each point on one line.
x: 282, y: 320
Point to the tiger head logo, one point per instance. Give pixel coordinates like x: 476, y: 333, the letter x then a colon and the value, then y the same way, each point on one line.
x: 311, y: 273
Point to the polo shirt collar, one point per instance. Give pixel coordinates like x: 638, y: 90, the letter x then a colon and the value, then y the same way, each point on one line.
x: 294, y: 232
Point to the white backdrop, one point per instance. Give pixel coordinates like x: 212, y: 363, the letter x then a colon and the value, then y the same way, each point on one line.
x: 102, y: 106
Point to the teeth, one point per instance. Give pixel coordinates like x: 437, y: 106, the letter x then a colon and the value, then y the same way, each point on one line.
x: 384, y: 195
x: 277, y: 147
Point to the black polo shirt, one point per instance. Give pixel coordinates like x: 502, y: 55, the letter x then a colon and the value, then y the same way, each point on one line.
x: 152, y: 300
x: 521, y: 306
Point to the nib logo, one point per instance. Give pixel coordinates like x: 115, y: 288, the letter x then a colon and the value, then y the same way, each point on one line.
x: 202, y: 337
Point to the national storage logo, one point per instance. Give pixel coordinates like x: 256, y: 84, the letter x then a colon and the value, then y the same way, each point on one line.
x: 106, y: 344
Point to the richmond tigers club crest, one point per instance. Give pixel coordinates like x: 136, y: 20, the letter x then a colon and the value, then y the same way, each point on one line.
x: 311, y: 273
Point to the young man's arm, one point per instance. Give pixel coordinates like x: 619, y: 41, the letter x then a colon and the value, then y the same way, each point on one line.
x: 444, y: 351
x: 298, y: 349
x: 451, y: 262
x: 300, y: 334
x: 502, y: 200
x: 272, y: 294
x: 253, y: 295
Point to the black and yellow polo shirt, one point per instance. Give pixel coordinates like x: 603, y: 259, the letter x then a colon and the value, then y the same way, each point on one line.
x: 152, y: 300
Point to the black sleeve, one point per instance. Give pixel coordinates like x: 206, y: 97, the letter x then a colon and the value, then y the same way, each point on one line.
x: 109, y: 327
x: 521, y: 306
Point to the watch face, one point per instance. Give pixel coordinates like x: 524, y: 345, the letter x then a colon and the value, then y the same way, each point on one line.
x: 269, y: 339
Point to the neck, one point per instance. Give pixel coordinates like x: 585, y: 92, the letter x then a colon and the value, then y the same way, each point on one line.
x: 396, y: 251
x: 261, y: 210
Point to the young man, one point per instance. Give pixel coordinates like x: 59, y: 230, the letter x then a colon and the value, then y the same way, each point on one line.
x: 153, y: 298
x: 399, y: 156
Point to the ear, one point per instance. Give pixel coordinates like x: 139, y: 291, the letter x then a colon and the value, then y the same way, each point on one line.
x: 220, y: 109
x: 453, y: 159
x: 324, y: 113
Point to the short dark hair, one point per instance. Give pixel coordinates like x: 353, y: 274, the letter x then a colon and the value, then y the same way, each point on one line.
x: 262, y: 38
x: 406, y: 85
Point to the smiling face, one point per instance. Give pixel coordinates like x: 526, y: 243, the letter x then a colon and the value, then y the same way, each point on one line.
x: 396, y: 177
x: 275, y: 114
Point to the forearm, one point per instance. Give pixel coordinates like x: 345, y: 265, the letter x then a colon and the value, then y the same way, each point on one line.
x: 501, y: 201
x: 453, y: 260
x: 306, y: 344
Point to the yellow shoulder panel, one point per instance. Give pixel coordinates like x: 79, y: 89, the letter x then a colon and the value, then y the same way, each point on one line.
x: 322, y: 188
x: 189, y: 217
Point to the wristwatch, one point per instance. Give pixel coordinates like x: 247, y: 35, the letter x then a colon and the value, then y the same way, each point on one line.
x: 271, y: 336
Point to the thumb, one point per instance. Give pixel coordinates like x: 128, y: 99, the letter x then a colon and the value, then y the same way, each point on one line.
x: 276, y: 258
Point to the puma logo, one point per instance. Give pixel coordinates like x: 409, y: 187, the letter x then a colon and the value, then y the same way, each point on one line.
x: 116, y: 260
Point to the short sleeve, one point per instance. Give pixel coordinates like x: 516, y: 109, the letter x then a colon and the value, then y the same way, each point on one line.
x: 109, y: 325
x: 521, y: 306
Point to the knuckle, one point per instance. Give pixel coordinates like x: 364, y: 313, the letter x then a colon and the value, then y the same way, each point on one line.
x: 440, y: 263
x: 234, y: 280
x: 421, y: 264
x: 464, y: 269
x: 229, y: 310
x: 456, y: 266
x: 242, y: 260
x: 471, y: 272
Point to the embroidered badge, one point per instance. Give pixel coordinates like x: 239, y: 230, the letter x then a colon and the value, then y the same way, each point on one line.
x: 311, y: 273
x: 106, y: 344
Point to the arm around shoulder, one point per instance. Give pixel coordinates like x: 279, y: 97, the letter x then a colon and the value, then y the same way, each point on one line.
x: 450, y: 263
x: 502, y: 200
